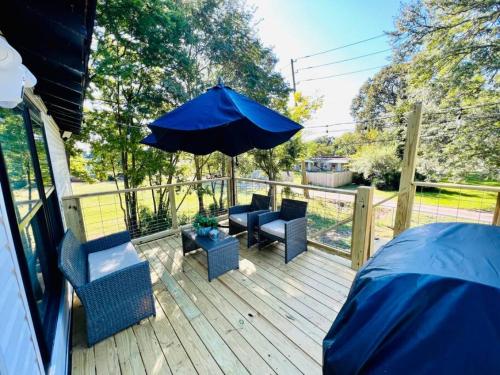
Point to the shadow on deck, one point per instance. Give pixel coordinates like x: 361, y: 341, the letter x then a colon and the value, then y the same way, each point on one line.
x: 265, y: 318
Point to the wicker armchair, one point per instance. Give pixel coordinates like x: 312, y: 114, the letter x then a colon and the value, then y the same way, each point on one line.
x: 114, y: 301
x: 245, y: 217
x: 288, y: 225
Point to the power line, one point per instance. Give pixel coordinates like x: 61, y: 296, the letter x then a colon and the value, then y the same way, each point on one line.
x: 344, y: 60
x: 340, y: 47
x: 354, y: 122
x: 446, y: 111
x: 341, y: 74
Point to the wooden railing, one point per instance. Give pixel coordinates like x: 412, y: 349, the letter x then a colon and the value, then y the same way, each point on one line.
x: 96, y: 214
x: 340, y: 221
x: 408, y: 185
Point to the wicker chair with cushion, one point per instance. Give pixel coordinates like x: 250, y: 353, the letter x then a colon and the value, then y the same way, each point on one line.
x: 288, y: 225
x: 244, y: 217
x: 113, y: 284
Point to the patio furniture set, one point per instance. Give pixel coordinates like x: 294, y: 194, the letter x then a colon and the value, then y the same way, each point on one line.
x: 114, y: 285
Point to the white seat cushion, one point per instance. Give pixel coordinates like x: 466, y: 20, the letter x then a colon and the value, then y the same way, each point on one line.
x: 276, y: 228
x: 239, y: 218
x: 104, y: 262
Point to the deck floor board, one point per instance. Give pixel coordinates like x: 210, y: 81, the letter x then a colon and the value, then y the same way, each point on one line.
x: 268, y: 317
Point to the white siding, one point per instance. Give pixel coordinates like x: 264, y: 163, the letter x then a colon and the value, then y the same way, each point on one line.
x: 19, y: 352
x: 57, y: 158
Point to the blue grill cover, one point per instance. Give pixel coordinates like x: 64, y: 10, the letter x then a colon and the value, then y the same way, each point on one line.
x: 427, y: 303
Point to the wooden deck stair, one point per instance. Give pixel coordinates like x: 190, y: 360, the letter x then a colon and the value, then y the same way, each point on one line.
x: 265, y: 318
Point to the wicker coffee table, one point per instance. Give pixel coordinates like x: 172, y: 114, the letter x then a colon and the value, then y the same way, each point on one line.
x: 223, y: 254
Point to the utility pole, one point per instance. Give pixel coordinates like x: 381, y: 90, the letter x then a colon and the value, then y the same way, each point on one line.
x: 293, y: 81
x: 293, y: 76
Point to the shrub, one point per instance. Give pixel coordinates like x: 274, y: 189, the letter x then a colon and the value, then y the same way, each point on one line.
x: 378, y: 164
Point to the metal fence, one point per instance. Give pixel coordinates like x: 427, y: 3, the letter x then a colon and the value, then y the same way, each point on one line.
x: 329, y: 211
x: 441, y: 202
x: 149, y: 210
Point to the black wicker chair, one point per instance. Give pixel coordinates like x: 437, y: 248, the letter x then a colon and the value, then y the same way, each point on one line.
x: 111, y: 302
x: 244, y: 217
x: 288, y: 225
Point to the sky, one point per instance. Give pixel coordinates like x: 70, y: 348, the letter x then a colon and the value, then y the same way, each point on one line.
x: 296, y: 28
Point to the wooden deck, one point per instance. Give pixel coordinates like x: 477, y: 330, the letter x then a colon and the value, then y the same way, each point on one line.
x: 265, y: 318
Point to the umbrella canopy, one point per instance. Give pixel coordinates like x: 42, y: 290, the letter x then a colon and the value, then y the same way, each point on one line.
x: 220, y: 120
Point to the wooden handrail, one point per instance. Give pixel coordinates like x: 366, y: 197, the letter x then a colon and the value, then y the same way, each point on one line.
x: 443, y: 185
x: 385, y: 200
x: 298, y: 186
x: 111, y: 192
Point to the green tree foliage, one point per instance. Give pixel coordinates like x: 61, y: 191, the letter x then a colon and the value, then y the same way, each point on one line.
x: 446, y: 54
x: 378, y: 164
x: 150, y: 56
x: 385, y: 93
x: 285, y: 156
x: 79, y: 168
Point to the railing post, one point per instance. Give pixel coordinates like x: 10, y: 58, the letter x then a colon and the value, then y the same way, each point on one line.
x: 74, y: 218
x: 362, y: 226
x: 173, y: 207
x: 496, y: 215
x: 304, y: 178
x: 406, y: 186
x: 274, y: 204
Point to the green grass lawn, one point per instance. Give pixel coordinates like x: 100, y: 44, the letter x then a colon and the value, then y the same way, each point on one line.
x: 453, y: 198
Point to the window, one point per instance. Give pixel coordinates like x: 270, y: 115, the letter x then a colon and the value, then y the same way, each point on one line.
x: 18, y: 161
x: 41, y: 149
x: 34, y: 214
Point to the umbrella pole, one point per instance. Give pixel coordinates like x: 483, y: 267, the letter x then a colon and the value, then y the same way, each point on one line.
x: 233, y: 184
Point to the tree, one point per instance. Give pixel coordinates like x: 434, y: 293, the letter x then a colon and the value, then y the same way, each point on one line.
x: 283, y: 157
x: 150, y: 56
x: 380, y: 97
x: 79, y: 169
x: 378, y: 164
x: 449, y: 55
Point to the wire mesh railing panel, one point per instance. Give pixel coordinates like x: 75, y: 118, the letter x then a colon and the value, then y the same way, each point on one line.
x: 245, y: 189
x: 384, y: 218
x: 209, y: 198
x: 433, y: 205
x: 148, y: 211
x: 329, y: 214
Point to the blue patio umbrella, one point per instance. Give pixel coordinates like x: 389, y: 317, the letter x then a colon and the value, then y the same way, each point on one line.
x: 220, y: 120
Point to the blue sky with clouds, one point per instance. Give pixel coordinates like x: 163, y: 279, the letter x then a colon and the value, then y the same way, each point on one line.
x: 299, y: 27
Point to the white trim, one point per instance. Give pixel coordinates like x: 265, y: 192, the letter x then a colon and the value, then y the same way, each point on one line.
x: 59, y: 362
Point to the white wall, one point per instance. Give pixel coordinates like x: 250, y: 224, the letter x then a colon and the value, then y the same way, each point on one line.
x: 329, y: 179
x: 19, y: 354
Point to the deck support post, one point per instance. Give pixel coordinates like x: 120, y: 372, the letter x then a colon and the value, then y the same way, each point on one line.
x: 173, y: 206
x: 496, y: 215
x: 74, y: 218
x: 362, y: 226
x: 406, y: 187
